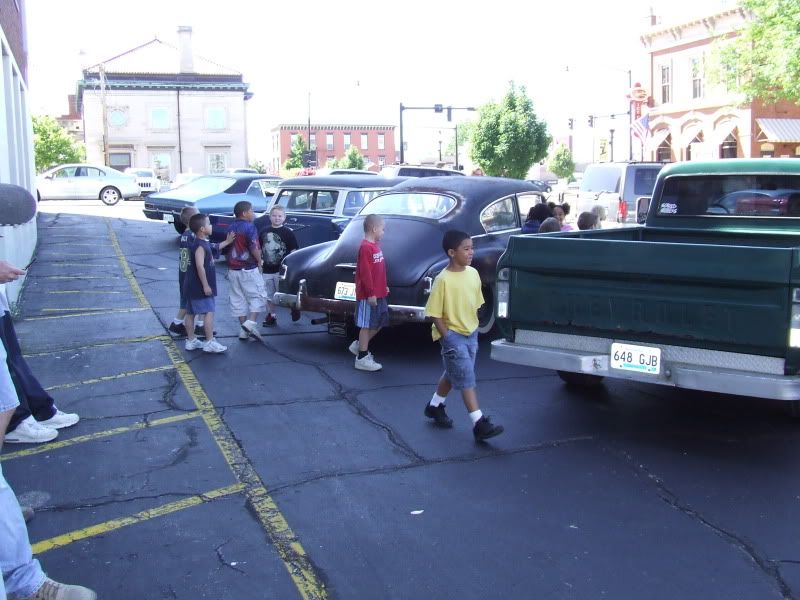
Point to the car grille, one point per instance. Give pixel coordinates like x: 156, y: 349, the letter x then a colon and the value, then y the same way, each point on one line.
x: 145, y: 185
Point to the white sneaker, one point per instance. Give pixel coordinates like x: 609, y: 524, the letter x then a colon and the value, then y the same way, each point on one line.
x: 193, y: 344
x: 53, y: 590
x: 252, y: 328
x: 244, y: 334
x: 214, y: 347
x: 368, y: 363
x: 60, y: 420
x: 30, y: 431
x: 353, y: 348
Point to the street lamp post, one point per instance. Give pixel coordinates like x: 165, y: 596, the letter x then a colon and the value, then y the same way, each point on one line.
x: 104, y: 103
x: 436, y: 108
x: 611, y: 143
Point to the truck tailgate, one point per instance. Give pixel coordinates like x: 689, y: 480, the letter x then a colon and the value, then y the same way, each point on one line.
x: 721, y: 297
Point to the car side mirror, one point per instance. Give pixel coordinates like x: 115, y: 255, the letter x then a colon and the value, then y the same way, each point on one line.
x: 642, y: 208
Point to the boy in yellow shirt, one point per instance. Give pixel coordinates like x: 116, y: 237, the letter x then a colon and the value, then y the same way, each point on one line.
x: 453, y: 305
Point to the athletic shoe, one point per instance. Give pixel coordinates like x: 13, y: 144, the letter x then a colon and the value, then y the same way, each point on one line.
x: 60, y: 420
x: 178, y: 329
x: 353, y: 348
x: 368, y: 363
x: 251, y: 328
x: 270, y: 321
x: 295, y: 314
x: 30, y: 431
x: 193, y: 344
x: 244, y: 334
x: 214, y: 347
x: 53, y: 590
x: 439, y: 416
x: 485, y: 429
x: 27, y: 513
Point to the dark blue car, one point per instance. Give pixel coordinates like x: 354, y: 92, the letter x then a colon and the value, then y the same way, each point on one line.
x: 211, y: 194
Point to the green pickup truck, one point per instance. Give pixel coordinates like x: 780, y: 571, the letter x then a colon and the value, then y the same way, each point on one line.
x: 706, y: 296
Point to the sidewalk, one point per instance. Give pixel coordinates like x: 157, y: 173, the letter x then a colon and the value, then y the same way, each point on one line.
x: 149, y: 495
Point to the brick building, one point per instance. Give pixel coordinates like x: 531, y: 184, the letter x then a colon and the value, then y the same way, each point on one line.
x: 72, y: 120
x: 375, y: 142
x: 693, y: 118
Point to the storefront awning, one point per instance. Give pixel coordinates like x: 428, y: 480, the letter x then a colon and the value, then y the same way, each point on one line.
x: 779, y: 130
x: 657, y: 138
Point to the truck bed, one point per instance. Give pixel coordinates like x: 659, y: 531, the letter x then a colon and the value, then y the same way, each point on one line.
x: 718, y: 290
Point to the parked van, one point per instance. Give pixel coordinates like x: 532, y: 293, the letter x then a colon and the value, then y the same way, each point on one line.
x: 616, y: 186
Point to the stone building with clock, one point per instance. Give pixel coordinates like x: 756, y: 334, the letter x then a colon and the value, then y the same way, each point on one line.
x: 159, y: 106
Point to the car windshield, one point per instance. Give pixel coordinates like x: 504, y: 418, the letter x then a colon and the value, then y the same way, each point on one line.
x: 765, y: 195
x: 202, y: 187
x: 428, y: 206
x: 601, y: 179
x: 141, y: 173
x: 644, y: 180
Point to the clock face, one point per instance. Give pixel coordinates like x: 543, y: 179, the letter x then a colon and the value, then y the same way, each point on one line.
x: 117, y: 117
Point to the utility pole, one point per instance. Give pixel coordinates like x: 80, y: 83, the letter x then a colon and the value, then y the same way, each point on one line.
x: 309, y: 130
x: 611, y: 144
x: 105, y: 111
x: 456, y: 130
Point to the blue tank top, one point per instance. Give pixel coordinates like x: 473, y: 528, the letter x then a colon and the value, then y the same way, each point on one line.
x: 194, y: 287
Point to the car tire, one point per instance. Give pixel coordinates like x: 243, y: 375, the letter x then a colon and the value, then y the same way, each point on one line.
x: 584, y: 380
x: 179, y: 227
x: 110, y: 196
x: 548, y: 189
x: 486, y: 320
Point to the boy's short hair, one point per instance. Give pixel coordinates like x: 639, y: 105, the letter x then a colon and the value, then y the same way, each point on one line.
x: 241, y: 207
x: 370, y: 221
x: 549, y: 225
x: 452, y: 240
x: 197, y: 221
x: 587, y: 220
x: 278, y: 208
x: 187, y: 213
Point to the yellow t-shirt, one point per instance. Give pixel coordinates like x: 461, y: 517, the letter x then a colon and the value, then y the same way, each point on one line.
x: 456, y: 297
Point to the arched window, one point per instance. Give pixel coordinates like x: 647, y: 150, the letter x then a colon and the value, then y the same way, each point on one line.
x: 698, y: 139
x: 729, y: 147
x: 664, y: 150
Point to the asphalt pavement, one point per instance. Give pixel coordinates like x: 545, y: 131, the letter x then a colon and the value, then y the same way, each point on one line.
x: 278, y: 471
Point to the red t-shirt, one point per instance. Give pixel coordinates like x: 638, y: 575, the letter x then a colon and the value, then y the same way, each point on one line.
x: 370, y: 271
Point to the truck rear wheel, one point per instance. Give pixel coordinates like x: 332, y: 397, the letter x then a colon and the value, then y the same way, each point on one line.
x: 580, y: 379
x: 486, y: 318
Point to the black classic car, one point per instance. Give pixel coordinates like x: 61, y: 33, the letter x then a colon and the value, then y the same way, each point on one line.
x: 417, y: 212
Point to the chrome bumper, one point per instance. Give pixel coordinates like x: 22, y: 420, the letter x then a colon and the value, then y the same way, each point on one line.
x: 398, y: 313
x: 681, y: 375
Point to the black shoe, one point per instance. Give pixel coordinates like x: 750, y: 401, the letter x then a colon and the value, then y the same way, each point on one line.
x: 485, y: 429
x: 439, y: 416
x: 178, y: 329
x: 269, y: 321
x: 295, y: 314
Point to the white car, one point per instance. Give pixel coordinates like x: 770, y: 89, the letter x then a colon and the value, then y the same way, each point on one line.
x: 146, y: 180
x: 86, y: 182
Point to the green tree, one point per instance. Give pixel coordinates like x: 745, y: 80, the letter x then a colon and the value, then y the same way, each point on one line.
x: 258, y: 166
x: 561, y: 164
x: 352, y: 159
x: 295, y: 160
x: 764, y: 60
x: 464, y: 137
x: 53, y: 145
x: 508, y: 138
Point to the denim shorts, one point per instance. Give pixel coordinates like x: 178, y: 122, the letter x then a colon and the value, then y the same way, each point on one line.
x: 372, y: 317
x: 458, y: 356
x: 200, y: 306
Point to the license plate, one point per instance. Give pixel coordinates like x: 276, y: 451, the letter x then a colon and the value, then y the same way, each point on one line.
x: 642, y: 359
x: 345, y: 291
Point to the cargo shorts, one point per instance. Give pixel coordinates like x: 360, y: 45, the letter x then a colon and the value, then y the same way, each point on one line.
x: 458, y: 355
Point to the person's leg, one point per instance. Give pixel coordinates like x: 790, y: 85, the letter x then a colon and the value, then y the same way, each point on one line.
x: 208, y: 325
x: 188, y: 323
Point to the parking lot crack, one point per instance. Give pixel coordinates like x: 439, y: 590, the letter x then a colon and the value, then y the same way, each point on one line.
x: 768, y: 567
x: 231, y: 565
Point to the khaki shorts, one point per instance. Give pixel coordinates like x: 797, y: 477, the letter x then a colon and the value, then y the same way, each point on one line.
x: 271, y: 284
x: 247, y: 293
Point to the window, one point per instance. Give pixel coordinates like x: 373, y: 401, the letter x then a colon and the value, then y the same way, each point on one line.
x: 499, y: 216
x: 364, y: 141
x: 666, y: 84
x: 697, y: 77
x: 428, y: 206
x: 295, y: 199
x: 329, y: 141
x: 159, y: 118
x: 326, y: 201
x: 355, y: 201
x: 526, y: 202
x: 160, y: 162
x: 381, y: 141
x: 346, y: 141
x: 664, y: 150
x: 118, y: 117
x: 729, y: 147
x: 216, y: 118
x: 217, y: 161
x: 65, y: 172
x: 313, y: 141
x: 92, y: 172
x: 294, y: 140
x: 119, y: 160
x: 381, y: 161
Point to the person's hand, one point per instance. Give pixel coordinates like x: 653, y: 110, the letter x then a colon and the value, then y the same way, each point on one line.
x: 207, y: 290
x: 9, y: 272
x: 387, y: 290
x: 373, y: 301
x: 230, y: 238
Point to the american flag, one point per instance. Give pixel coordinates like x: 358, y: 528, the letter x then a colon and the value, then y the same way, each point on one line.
x: 641, y: 128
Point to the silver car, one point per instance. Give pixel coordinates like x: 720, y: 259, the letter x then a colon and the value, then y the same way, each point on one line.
x: 86, y: 182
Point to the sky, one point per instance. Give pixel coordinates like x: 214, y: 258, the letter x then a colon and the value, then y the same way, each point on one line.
x: 358, y: 63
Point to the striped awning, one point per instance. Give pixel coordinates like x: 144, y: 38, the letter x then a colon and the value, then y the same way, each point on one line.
x: 779, y: 130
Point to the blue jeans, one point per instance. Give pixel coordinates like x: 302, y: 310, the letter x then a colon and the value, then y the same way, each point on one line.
x: 458, y: 355
x: 22, y: 574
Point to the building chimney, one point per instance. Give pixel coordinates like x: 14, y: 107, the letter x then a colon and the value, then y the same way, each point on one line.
x: 185, y: 47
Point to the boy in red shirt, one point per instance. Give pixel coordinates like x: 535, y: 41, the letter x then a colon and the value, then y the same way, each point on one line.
x: 372, y: 311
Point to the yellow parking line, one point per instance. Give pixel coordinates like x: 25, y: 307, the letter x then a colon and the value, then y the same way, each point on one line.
x: 126, y: 269
x: 75, y: 309
x: 121, y: 342
x: 145, y: 515
x: 64, y: 386
x: 40, y: 448
x: 110, y: 311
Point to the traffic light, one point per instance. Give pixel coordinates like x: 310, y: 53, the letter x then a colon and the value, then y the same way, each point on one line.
x: 591, y: 120
x: 438, y: 108
x: 571, y: 123
x: 449, y: 113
